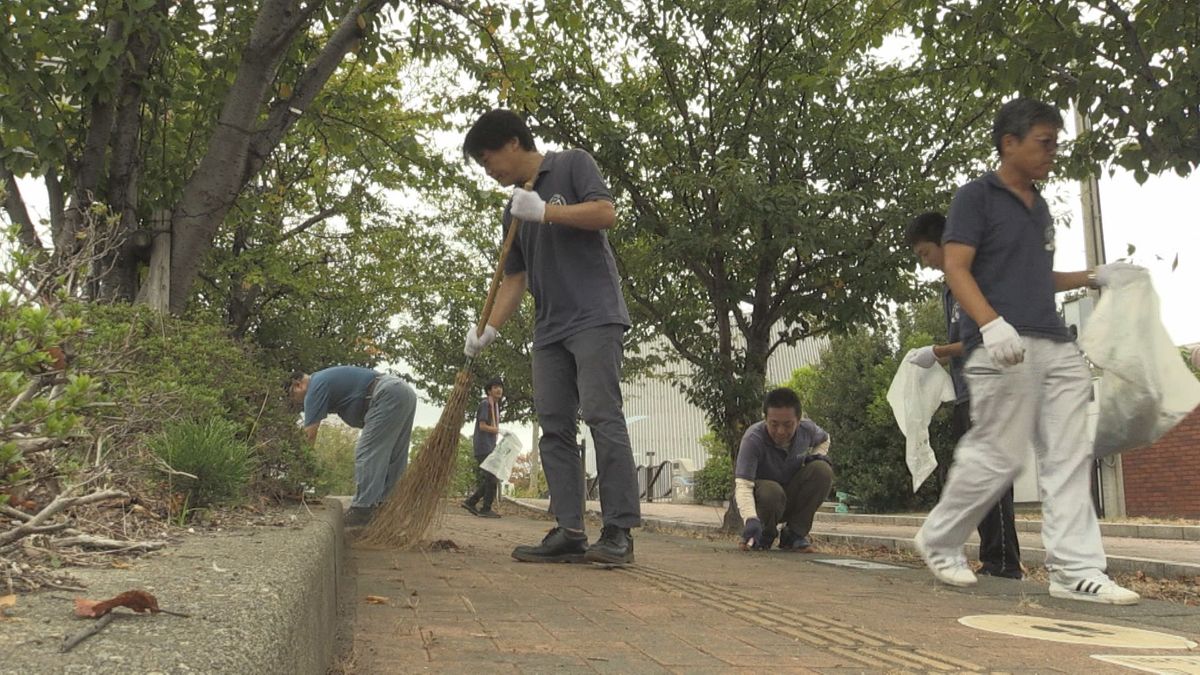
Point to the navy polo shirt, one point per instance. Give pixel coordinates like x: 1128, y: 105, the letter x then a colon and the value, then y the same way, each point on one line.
x: 571, y: 272
x: 1014, y: 257
x: 484, y: 442
x: 760, y: 459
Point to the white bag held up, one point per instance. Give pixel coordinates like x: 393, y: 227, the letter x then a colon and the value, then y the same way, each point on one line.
x: 915, y: 395
x: 1146, y: 389
x: 500, y: 462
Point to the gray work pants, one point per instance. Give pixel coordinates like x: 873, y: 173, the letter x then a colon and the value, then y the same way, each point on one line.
x: 381, y: 454
x: 582, y: 374
x: 1041, y: 401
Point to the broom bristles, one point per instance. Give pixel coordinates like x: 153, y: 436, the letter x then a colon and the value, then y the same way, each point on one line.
x: 409, y: 511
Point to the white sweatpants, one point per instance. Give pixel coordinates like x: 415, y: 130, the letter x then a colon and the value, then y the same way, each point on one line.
x: 1042, y: 401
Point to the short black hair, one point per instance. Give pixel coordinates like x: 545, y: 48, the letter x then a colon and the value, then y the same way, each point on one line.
x: 928, y: 226
x: 1019, y: 115
x: 494, y: 382
x: 493, y: 129
x: 292, y: 379
x: 782, y: 398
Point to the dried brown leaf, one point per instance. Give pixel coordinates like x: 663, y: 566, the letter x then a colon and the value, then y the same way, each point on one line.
x: 376, y: 600
x: 138, y: 601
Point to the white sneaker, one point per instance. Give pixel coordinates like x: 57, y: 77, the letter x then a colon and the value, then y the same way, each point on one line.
x: 1098, y: 588
x: 951, y: 569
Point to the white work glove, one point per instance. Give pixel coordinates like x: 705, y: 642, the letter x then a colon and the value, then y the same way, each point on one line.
x: 1003, y: 342
x: 1118, y: 273
x: 527, y: 206
x: 923, y: 357
x: 476, y: 342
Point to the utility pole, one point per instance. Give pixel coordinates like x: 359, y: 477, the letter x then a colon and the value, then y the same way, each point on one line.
x: 1109, y: 484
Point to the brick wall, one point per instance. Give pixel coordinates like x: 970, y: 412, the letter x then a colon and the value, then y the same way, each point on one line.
x: 1163, y: 480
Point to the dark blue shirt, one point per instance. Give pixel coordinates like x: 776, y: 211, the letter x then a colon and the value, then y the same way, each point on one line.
x: 760, y: 459
x: 954, y: 334
x: 1014, y: 257
x: 341, y: 390
x: 571, y: 272
x: 484, y: 442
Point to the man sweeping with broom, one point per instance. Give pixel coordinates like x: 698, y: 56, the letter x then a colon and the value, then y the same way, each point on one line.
x: 561, y: 254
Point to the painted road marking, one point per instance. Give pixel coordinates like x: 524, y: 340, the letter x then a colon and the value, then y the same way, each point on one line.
x: 1163, y: 665
x: 859, y: 564
x: 1076, y: 632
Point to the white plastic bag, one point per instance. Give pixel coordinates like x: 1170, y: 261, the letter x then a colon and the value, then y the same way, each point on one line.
x: 1146, y: 389
x: 915, y: 395
x: 500, y: 462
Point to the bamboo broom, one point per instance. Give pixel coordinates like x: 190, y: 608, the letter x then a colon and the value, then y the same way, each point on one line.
x: 409, y: 511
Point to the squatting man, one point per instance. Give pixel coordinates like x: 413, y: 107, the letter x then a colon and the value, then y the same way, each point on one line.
x: 783, y: 475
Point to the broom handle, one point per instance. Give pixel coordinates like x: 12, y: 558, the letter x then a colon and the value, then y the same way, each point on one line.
x: 513, y: 226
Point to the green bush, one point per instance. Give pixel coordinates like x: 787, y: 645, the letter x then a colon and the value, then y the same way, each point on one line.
x: 161, y: 371
x: 217, y: 460
x: 334, y: 458
x: 714, y: 482
x: 41, y: 405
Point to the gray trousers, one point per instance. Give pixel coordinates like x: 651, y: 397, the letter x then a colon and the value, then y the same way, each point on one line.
x: 381, y: 454
x: 582, y: 374
x: 1042, y: 401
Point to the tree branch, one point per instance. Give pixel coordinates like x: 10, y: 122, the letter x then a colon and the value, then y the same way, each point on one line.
x: 59, y: 504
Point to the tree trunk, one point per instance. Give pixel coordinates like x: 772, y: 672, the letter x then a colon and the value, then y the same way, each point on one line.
x: 238, y: 147
x: 118, y: 273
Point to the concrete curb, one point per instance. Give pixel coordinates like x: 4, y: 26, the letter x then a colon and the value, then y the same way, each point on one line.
x: 1131, y: 530
x: 261, y: 599
x: 1031, y: 556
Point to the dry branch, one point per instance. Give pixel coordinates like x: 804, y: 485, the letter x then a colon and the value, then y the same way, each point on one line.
x: 69, y: 641
x: 60, y: 503
x: 91, y: 541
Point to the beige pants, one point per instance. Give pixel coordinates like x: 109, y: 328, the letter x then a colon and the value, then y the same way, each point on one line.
x: 1041, y: 401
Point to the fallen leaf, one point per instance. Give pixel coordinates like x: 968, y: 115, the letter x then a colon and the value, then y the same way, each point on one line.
x: 7, y: 601
x: 376, y: 600
x: 138, y: 601
x: 86, y: 608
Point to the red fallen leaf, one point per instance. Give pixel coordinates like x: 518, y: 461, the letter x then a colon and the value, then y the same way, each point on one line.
x: 138, y: 601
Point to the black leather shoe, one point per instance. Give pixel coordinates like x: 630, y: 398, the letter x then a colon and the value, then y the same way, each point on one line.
x: 358, y: 516
x: 487, y: 513
x: 614, y: 547
x: 470, y: 507
x: 558, y: 546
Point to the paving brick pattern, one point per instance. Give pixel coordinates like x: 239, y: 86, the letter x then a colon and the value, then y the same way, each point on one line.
x: 687, y: 606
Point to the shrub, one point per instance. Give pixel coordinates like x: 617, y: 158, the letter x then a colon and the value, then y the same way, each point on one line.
x: 714, y: 482
x: 217, y: 460
x: 41, y: 405
x: 333, y: 456
x: 161, y: 371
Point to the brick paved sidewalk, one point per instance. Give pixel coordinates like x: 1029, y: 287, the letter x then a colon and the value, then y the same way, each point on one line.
x: 693, y: 606
x: 1153, y: 556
